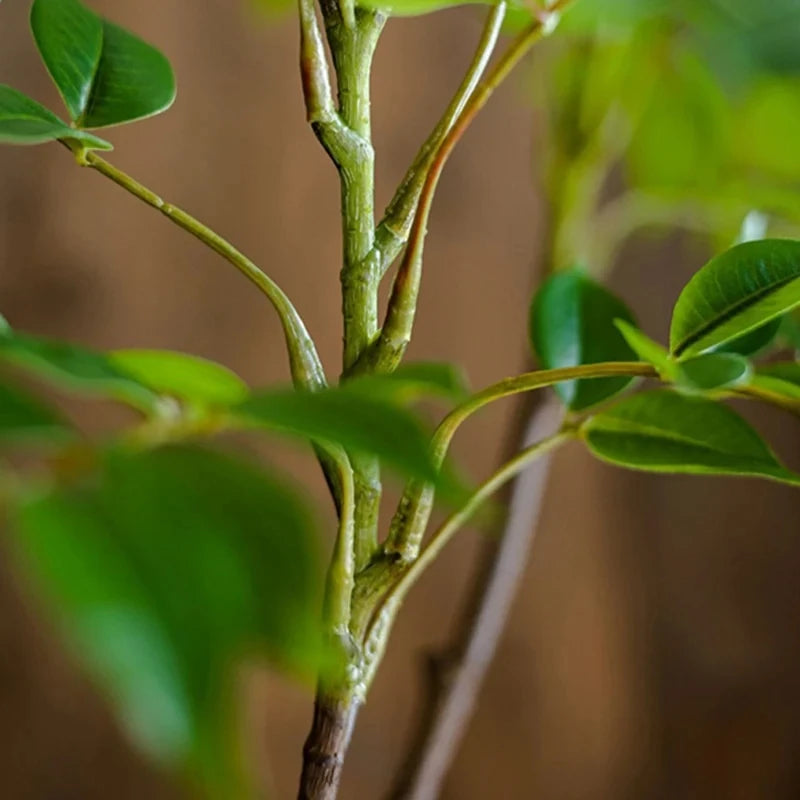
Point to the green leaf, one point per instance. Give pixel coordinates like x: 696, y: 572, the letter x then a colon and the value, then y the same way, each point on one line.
x: 164, y: 568
x: 414, y: 381
x: 663, y: 431
x: 412, y: 8
x: 572, y: 323
x: 647, y: 349
x: 735, y: 293
x: 183, y: 376
x: 75, y: 368
x: 782, y: 378
x: 350, y: 418
x: 24, y: 121
x: 105, y: 75
x: 22, y: 418
x: 753, y: 342
x: 712, y: 371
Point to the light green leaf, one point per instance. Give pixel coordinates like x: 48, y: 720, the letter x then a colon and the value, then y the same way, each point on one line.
x: 24, y: 121
x: 782, y: 378
x: 412, y: 8
x: 24, y: 419
x: 647, y: 349
x: 105, y: 75
x: 183, y: 376
x: 414, y: 381
x: 735, y: 293
x: 572, y: 323
x: 165, y: 568
x: 75, y: 368
x: 712, y: 371
x: 350, y: 418
x: 663, y: 431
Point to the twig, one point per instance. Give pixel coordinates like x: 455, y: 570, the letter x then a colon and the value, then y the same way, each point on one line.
x: 455, y: 676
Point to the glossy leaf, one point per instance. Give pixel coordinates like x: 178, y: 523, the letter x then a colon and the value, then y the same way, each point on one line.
x: 165, y: 568
x: 24, y: 419
x: 414, y: 381
x: 349, y: 418
x: 183, y: 376
x: 782, y: 378
x: 663, y: 431
x: 24, y: 121
x: 712, y: 371
x: 75, y: 368
x: 572, y: 323
x: 105, y: 75
x: 647, y: 349
x: 753, y: 342
x: 735, y: 293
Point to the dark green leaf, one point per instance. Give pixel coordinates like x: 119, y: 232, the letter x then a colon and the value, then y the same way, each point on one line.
x: 183, y: 376
x: 414, y: 381
x: 106, y: 75
x: 23, y: 418
x: 350, y: 418
x: 24, y: 121
x: 75, y: 368
x: 166, y: 567
x: 753, y: 342
x: 735, y: 293
x: 663, y: 431
x: 572, y: 323
x: 712, y: 371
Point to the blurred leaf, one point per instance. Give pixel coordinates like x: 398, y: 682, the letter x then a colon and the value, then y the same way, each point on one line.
x: 350, y: 418
x: 75, y: 368
x: 412, y: 8
x: 736, y: 293
x: 572, y: 323
x: 789, y: 332
x: 647, y: 349
x: 663, y: 431
x: 183, y: 376
x: 105, y: 75
x: 782, y: 378
x: 24, y: 418
x: 165, y: 568
x: 414, y: 381
x: 24, y: 121
x: 712, y: 371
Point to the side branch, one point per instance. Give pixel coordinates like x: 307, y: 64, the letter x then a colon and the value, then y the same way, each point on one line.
x: 306, y: 367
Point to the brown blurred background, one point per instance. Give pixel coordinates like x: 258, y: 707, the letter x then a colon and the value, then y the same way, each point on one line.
x: 653, y: 651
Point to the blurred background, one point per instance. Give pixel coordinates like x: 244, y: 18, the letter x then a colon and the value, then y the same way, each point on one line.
x: 654, y: 650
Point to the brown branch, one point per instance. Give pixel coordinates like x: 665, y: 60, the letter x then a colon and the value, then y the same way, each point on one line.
x: 454, y: 677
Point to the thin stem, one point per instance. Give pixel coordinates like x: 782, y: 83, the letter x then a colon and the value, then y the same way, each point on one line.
x: 307, y: 371
x: 455, y: 675
x: 392, y: 231
x: 390, y: 346
x: 411, y: 519
x: 455, y: 521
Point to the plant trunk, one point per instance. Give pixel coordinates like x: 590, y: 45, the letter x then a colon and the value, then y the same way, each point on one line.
x: 326, y: 746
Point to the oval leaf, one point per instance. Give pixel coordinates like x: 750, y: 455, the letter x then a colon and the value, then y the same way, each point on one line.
x: 735, y: 293
x: 24, y: 121
x: 350, y: 418
x: 75, y: 368
x: 22, y: 418
x: 572, y: 323
x: 164, y: 568
x: 712, y: 371
x: 105, y: 75
x: 663, y: 431
x: 647, y: 349
x: 414, y: 381
x: 183, y: 376
x: 753, y: 342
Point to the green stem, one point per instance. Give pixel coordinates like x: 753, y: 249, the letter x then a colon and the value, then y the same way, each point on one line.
x: 388, y: 349
x: 389, y: 604
x: 307, y: 371
x: 392, y: 232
